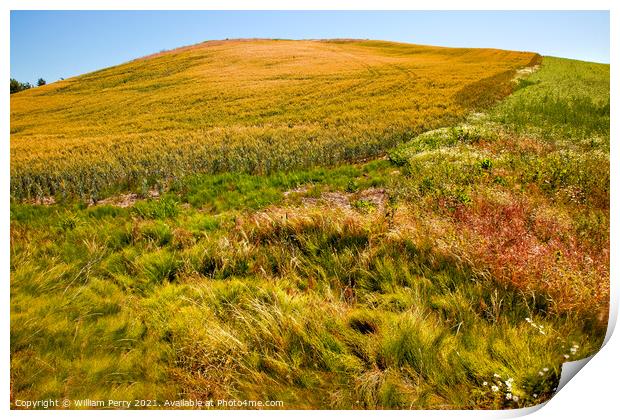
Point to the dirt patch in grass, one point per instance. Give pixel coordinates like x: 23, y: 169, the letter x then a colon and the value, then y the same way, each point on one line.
x: 43, y: 201
x: 121, y: 200
x: 372, y: 197
x: 377, y: 196
x: 124, y: 200
x: 526, y: 71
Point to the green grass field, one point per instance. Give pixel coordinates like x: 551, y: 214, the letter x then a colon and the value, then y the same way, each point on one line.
x: 456, y: 272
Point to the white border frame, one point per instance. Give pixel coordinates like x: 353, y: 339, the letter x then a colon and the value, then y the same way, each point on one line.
x: 592, y: 394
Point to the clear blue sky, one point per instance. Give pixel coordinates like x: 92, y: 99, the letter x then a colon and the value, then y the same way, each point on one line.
x: 54, y: 44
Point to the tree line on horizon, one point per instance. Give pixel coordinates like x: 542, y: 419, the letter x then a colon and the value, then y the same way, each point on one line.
x: 17, y: 86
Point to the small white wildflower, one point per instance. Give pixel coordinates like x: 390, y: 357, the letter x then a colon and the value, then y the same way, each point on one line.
x: 508, y: 396
x: 515, y: 398
x: 494, y: 388
x: 545, y: 369
x: 576, y: 346
x: 496, y: 375
x: 535, y: 395
x: 540, y: 373
x: 566, y: 356
x: 528, y: 319
x: 485, y: 383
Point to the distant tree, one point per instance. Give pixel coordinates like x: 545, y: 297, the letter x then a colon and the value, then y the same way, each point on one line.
x: 15, y: 86
x: 18, y: 86
x: 40, y: 82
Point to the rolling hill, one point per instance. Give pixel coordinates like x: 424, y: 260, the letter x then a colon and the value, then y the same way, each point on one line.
x: 253, y: 106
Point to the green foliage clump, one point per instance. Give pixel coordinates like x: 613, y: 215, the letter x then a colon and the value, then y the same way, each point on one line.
x: 163, y: 208
x: 158, y: 266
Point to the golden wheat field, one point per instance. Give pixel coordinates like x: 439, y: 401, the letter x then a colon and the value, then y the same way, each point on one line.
x: 252, y: 106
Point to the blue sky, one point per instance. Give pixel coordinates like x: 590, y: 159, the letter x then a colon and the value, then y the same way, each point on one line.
x: 55, y: 44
